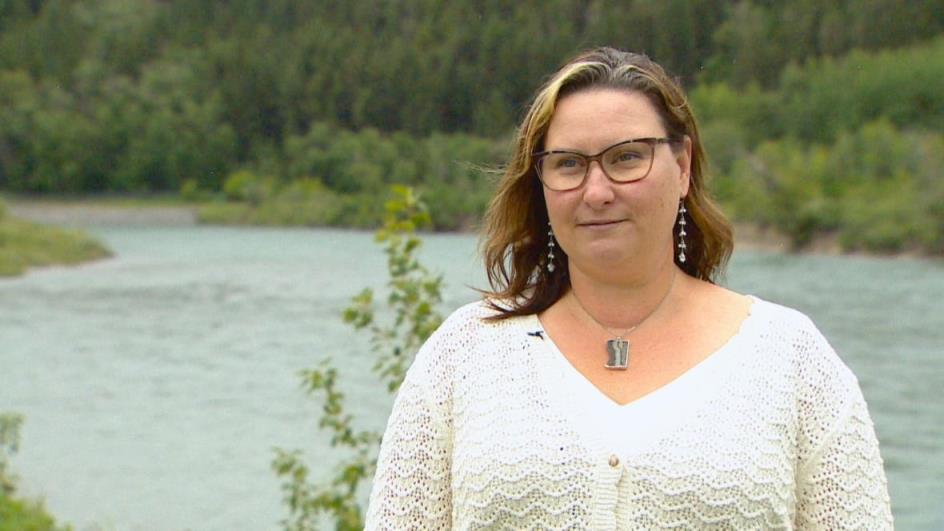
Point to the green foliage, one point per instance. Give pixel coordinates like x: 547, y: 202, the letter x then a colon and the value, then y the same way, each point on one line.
x: 351, y: 168
x: 754, y: 40
x: 190, y: 191
x: 244, y: 185
x: 892, y: 191
x: 306, y: 201
x: 817, y: 101
x: 24, y: 245
x: 120, y: 96
x: 748, y: 52
x: 785, y: 190
x: 836, y: 148
x: 413, y: 296
x: 878, y: 187
x: 24, y: 515
x: 827, y: 96
x: 10, y: 424
x: 17, y: 514
x: 185, y: 96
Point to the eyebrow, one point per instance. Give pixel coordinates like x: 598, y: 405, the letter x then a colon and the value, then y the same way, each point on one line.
x: 662, y: 139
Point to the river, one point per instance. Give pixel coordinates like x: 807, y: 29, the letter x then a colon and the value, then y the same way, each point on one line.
x: 156, y: 384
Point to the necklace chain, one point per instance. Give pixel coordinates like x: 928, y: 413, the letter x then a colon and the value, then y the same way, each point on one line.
x: 635, y: 326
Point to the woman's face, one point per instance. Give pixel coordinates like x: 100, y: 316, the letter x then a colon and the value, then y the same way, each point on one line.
x: 609, y: 228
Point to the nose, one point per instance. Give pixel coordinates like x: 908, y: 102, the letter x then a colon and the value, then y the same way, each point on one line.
x: 598, y: 189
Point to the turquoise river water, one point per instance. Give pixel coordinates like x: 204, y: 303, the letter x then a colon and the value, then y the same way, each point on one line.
x: 156, y: 384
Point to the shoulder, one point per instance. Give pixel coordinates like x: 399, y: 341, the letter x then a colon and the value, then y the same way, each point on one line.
x: 826, y: 388
x: 792, y: 343
x: 469, y: 328
x: 474, y: 311
x: 473, y: 318
x: 782, y: 318
x: 792, y: 332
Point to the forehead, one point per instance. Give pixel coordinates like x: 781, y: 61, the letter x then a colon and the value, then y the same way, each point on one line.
x: 591, y: 120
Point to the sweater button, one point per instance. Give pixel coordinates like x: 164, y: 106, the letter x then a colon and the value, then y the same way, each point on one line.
x: 614, y: 461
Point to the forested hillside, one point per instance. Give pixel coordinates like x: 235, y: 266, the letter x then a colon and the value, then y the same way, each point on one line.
x: 820, y: 116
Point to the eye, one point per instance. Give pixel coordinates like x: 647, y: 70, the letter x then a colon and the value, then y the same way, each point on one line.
x: 568, y: 162
x: 629, y: 154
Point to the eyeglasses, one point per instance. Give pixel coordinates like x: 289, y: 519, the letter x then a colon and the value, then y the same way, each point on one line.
x: 627, y: 161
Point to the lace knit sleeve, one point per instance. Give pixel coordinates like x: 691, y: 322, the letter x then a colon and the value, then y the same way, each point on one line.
x: 840, y: 477
x: 411, y: 488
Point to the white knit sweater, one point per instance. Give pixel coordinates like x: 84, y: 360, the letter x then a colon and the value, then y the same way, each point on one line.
x: 481, y: 436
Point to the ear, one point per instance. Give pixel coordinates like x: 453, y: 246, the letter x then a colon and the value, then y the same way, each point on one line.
x: 683, y: 157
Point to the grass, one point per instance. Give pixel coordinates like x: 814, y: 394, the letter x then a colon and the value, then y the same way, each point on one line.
x: 24, y: 245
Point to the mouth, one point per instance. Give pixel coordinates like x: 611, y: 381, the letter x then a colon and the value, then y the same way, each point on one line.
x: 601, y: 223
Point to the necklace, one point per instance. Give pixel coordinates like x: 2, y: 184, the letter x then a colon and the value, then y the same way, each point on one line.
x: 617, y: 349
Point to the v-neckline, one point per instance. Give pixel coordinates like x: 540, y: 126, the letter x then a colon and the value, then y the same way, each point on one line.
x: 594, y: 431
x: 532, y: 322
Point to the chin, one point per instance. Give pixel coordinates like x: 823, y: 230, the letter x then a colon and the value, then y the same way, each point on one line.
x: 606, y: 256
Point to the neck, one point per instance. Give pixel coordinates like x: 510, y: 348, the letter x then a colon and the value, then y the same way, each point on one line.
x: 622, y: 304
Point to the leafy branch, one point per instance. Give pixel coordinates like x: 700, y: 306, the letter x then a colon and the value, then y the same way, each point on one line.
x: 9, y: 444
x: 414, y: 293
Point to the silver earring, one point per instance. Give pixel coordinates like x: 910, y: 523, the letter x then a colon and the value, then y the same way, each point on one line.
x: 681, y: 233
x: 550, y: 248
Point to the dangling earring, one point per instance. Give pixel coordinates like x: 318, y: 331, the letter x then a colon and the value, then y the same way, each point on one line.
x: 550, y: 248
x: 681, y: 233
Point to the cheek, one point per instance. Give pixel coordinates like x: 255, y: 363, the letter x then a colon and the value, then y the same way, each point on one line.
x: 671, y: 187
x: 559, y: 205
x: 656, y: 203
x: 650, y: 196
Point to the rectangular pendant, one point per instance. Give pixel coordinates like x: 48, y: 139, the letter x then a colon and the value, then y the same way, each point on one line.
x: 618, y: 354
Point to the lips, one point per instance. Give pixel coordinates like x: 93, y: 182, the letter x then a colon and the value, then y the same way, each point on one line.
x: 600, y: 222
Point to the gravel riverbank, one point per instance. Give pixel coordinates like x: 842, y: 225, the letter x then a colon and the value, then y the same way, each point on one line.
x: 78, y: 213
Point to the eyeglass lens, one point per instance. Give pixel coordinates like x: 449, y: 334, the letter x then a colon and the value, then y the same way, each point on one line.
x: 625, y: 162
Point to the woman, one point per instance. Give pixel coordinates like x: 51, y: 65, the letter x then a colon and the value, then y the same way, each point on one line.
x: 608, y: 382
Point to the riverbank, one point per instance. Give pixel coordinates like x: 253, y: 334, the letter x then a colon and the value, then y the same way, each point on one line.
x: 171, y: 211
x: 162, y: 211
x: 78, y: 212
x: 25, y: 244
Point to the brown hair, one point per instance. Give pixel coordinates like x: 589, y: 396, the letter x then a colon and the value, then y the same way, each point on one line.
x: 514, y: 235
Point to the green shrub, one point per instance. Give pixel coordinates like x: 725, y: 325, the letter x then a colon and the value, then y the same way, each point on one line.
x: 17, y: 514
x: 10, y: 424
x: 24, y: 515
x: 753, y: 112
x: 244, y: 185
x: 725, y: 142
x: 879, y: 187
x: 190, y: 190
x: 881, y: 218
x: 783, y: 181
x: 891, y: 188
